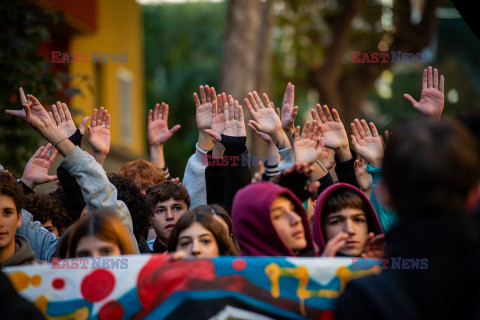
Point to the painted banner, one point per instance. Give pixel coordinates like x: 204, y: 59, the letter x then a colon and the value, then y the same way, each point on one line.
x: 153, y: 287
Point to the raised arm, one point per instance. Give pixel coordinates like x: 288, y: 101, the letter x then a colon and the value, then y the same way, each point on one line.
x: 289, y: 112
x: 158, y: 133
x: 36, y: 170
x: 432, y: 99
x: 366, y: 143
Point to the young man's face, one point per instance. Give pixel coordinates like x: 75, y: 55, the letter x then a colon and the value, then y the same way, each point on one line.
x: 166, y: 215
x: 10, y: 221
x: 354, y: 223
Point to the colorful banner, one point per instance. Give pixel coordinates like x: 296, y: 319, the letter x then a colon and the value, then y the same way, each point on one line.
x: 152, y: 287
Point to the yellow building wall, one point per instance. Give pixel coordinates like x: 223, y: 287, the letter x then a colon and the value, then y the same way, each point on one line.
x: 120, y: 30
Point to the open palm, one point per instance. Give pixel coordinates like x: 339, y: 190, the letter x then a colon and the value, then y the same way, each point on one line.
x: 332, y: 127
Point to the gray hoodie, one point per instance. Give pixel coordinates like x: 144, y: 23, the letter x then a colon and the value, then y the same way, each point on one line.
x: 23, y: 253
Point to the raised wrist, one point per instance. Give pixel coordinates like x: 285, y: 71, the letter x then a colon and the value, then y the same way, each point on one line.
x: 343, y: 154
x: 28, y: 183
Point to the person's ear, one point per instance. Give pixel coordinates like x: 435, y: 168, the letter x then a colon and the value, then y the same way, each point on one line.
x: 384, y: 195
x: 473, y: 198
x: 19, y: 219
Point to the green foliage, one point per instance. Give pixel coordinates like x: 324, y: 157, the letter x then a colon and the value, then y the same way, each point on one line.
x: 183, y: 50
x: 23, y: 28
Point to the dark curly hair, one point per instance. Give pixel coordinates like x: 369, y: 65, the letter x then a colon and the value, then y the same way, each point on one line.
x: 132, y: 196
x: 10, y: 187
x: 164, y: 191
x: 44, y: 207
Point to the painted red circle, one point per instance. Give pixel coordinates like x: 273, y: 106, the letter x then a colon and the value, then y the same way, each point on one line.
x: 97, y: 285
x: 58, y: 283
x: 112, y: 310
x: 239, y: 264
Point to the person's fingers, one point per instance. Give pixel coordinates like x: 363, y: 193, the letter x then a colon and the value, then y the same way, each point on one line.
x: 306, y: 127
x: 231, y: 106
x: 360, y: 129
x: 44, y: 153
x: 93, y: 122
x: 104, y: 117
x: 81, y: 128
x: 203, y: 98
x: 256, y: 125
x: 196, y: 100
x: 207, y: 93
x: 258, y: 100
x: 296, y: 134
x: 52, y: 156
x: 322, y: 117
x: 430, y: 77
x: 239, y: 111
x: 366, y: 128
x: 38, y: 152
x: 214, y: 135
x: 294, y: 112
x: 317, y: 131
x: 327, y: 113
x: 90, y: 131
x: 311, y: 130
x: 320, y: 144
x: 313, y: 186
x: 23, y: 99
x: 412, y: 101
x: 267, y: 101
x: 435, y: 78
x: 175, y: 128
x: 254, y: 103
x: 156, y: 111
x: 52, y: 178
x: 374, y: 129
x: 33, y: 100
x: 161, y: 111
x: 226, y: 113
x: 51, y: 115
x: 107, y: 121
x: 56, y: 115
x: 66, y: 111
x: 219, y: 105
x: 61, y: 113
x: 278, y: 112
x: 356, y: 164
x: 166, y: 112
x: 355, y: 144
x: 224, y: 99
x: 336, y: 116
x: 249, y: 106
x: 149, y: 117
x: 213, y: 94
x: 177, y: 255
x: 261, y: 167
x: 442, y: 82
x: 314, y: 115
x: 424, y: 79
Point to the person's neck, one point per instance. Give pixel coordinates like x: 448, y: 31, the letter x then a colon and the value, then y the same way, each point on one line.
x: 7, y: 252
x: 162, y: 241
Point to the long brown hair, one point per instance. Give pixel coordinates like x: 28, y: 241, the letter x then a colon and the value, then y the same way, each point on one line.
x: 105, y: 226
x: 206, y: 219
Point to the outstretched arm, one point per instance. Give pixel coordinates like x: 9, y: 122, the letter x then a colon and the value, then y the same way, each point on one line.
x: 432, y: 100
x: 289, y: 112
x: 204, y: 114
x: 158, y: 133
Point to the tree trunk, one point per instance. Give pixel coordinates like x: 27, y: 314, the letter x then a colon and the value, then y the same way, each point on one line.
x: 246, y: 64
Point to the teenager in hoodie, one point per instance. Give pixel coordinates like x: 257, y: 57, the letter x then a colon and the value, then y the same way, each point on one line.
x: 14, y: 249
x: 269, y: 220
x: 343, y: 222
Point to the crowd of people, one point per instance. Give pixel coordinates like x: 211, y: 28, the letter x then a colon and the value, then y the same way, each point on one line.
x: 411, y: 193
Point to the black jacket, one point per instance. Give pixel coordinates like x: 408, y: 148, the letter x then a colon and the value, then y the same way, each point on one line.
x: 13, y: 306
x: 449, y: 288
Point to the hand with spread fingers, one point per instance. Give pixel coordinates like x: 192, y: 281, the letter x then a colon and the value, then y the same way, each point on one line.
x: 333, y: 131
x: 374, y: 247
x: 204, y: 114
x: 233, y: 121
x: 335, y: 244
x: 63, y: 118
x: 366, y: 143
x: 308, y: 147
x: 36, y: 170
x: 432, y: 99
x: 99, y: 134
x: 158, y: 132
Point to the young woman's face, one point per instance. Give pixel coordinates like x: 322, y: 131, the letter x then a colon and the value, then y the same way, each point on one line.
x: 91, y: 246
x: 197, y: 242
x: 288, y: 224
x: 354, y: 223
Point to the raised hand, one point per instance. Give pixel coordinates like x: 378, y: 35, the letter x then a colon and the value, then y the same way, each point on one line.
x: 257, y: 177
x: 33, y: 112
x: 332, y: 127
x: 432, y: 100
x: 327, y: 158
x: 99, y: 134
x: 203, y: 107
x: 364, y: 179
x: 36, y: 170
x: 158, y: 132
x: 61, y: 115
x: 308, y: 147
x: 368, y: 144
x: 289, y: 112
x: 266, y: 119
x: 234, y: 124
x: 374, y: 247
